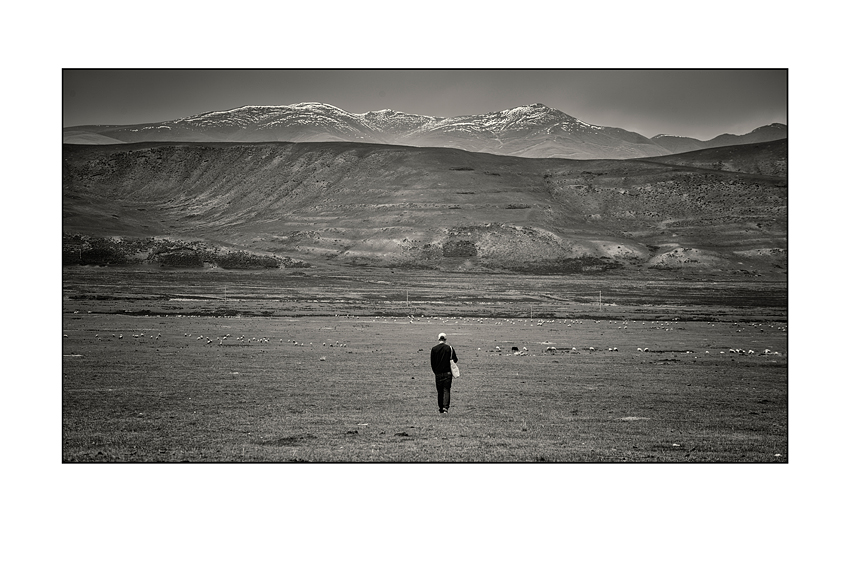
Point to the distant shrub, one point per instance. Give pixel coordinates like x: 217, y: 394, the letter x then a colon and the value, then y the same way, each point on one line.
x: 288, y: 262
x: 81, y: 249
x: 185, y: 259
x: 72, y: 255
x: 245, y: 261
x: 103, y: 252
x: 582, y: 264
x: 459, y: 249
x: 84, y: 250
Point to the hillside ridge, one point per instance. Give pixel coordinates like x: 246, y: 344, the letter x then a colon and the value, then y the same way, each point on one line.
x: 382, y: 205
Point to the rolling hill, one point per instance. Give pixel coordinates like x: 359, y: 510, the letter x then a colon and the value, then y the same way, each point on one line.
x: 721, y: 210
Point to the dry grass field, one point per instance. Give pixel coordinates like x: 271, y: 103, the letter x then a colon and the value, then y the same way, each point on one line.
x: 326, y: 368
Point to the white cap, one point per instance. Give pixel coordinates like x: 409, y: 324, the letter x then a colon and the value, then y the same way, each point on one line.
x: 441, y: 337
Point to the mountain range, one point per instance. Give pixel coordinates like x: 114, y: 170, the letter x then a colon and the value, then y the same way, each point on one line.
x: 534, y: 131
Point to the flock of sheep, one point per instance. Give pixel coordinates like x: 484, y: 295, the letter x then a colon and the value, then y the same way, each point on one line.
x: 667, y: 326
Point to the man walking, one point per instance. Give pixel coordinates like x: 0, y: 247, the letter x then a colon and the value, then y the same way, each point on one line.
x: 441, y: 354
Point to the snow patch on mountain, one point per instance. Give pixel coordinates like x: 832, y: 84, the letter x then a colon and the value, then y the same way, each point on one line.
x: 533, y: 130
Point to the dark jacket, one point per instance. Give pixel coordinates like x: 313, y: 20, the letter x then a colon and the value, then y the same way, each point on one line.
x: 440, y: 355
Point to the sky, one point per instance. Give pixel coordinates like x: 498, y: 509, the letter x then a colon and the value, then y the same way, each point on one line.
x: 699, y: 103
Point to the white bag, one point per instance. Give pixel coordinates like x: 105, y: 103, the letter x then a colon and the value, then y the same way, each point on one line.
x: 455, y: 369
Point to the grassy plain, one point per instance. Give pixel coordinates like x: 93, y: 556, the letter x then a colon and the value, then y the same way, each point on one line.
x: 333, y: 367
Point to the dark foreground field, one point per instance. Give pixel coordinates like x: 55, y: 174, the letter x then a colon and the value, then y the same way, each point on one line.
x: 210, y: 366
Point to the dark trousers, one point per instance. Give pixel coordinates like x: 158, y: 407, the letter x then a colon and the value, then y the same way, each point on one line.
x: 444, y: 389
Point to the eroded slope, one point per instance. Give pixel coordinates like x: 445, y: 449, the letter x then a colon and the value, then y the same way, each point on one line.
x: 438, y: 207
